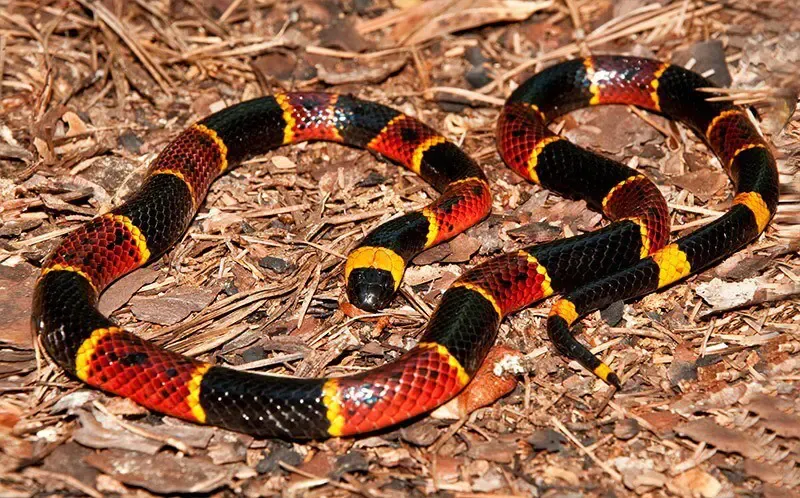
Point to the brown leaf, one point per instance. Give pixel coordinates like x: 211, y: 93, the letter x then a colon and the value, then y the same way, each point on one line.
x: 433, y: 255
x: 423, y: 433
x: 709, y: 397
x: 163, y: 473
x: 394, y: 457
x: 227, y: 452
x: 97, y: 430
x: 54, y: 203
x: 493, y: 451
x: 16, y: 287
x: 458, y: 250
x: 708, y: 58
x: 123, y: 289
x: 68, y: 459
x: 342, y: 34
x: 729, y: 440
x: 772, y: 472
x: 661, y: 422
x: 358, y: 73
x: 446, y: 468
x: 321, y: 464
x: 430, y: 20
x: 173, y: 306
x: 683, y: 366
x: 496, y: 377
x: 776, y: 414
x: 703, y: 184
x: 462, y: 248
x: 627, y: 130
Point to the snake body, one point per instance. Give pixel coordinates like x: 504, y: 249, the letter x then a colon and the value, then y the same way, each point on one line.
x: 629, y: 257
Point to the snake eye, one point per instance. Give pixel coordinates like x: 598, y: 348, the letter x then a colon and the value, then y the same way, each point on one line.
x: 370, y: 289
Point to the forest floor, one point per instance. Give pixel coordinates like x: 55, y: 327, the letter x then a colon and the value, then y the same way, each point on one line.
x: 92, y: 90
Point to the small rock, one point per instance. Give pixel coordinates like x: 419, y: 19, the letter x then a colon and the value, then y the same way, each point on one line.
x: 612, y: 315
x: 253, y: 354
x: 626, y: 429
x: 130, y: 142
x: 476, y: 76
x: 246, y: 228
x: 229, y: 288
x: 420, y: 434
x: 547, y: 440
x: 454, y: 105
x: 277, y: 265
x: 352, y: 461
x: 475, y: 56
x: 278, y: 65
x: 373, y: 179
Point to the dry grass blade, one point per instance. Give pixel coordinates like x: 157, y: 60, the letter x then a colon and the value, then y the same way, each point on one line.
x: 110, y: 20
x: 458, y: 17
x: 469, y: 95
x: 644, y: 22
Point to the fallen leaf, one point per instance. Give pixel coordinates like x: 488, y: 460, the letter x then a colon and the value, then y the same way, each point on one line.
x: 342, y: 34
x: 375, y: 73
x: 97, y: 430
x: 728, y: 440
x: 123, y: 289
x: 661, y: 422
x: 68, y: 459
x: 493, y: 451
x: 496, y: 377
x: 174, y: 305
x: 777, y: 414
x: 163, y: 473
x: 16, y: 287
x: 430, y: 20
x: 703, y: 184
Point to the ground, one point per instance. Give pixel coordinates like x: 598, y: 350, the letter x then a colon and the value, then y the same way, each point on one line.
x: 90, y: 91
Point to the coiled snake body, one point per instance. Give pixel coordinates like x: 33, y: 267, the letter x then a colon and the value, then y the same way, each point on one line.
x: 630, y: 257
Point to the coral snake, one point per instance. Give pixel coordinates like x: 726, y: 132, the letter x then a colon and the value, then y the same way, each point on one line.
x: 629, y: 257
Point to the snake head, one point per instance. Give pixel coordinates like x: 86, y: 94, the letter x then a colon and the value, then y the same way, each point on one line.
x: 370, y: 289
